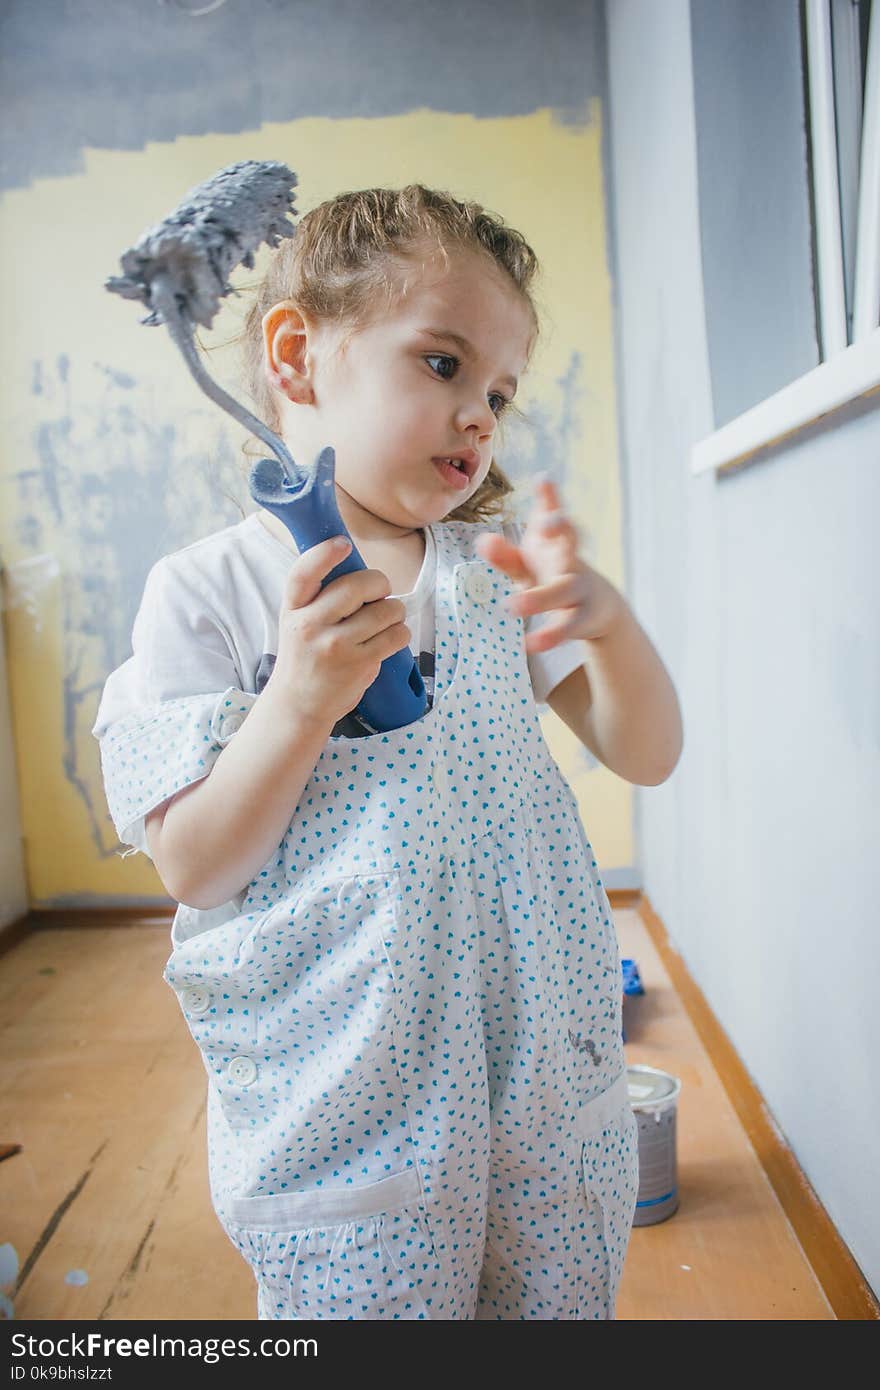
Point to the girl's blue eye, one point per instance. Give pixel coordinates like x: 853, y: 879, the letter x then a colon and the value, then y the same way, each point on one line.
x: 442, y: 357
x: 446, y: 357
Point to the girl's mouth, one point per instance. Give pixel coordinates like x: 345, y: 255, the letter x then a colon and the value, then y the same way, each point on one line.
x: 455, y: 474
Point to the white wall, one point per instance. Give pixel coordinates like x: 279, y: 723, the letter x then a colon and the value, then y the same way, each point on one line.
x: 761, y: 590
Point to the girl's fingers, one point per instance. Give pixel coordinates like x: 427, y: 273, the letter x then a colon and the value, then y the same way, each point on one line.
x: 554, y: 523
x: 547, y: 637
x: 546, y: 488
x: 504, y: 556
x: 568, y: 591
x: 310, y: 568
x: 550, y: 515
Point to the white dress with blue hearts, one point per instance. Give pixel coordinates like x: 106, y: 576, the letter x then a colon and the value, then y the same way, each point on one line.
x: 411, y: 1017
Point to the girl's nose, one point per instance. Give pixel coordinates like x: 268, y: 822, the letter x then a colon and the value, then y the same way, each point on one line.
x: 476, y: 414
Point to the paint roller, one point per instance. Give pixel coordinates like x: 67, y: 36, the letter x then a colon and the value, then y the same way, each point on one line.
x: 180, y: 270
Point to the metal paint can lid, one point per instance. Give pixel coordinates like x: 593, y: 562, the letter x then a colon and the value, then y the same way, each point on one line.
x: 651, y: 1089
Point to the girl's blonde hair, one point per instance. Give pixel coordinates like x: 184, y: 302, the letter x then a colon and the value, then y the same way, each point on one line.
x: 344, y: 267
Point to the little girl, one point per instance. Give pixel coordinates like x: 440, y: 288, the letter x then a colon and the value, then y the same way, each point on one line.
x: 394, y: 949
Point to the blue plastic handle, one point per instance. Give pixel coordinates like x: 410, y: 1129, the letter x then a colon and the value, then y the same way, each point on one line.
x: 307, y: 506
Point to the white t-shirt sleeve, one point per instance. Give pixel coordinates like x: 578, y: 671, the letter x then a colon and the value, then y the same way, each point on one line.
x: 167, y: 712
x: 547, y: 669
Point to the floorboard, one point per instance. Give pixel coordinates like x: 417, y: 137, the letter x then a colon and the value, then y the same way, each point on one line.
x: 107, y: 1202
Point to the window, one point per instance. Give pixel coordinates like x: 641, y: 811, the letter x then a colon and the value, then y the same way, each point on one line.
x: 791, y: 256
x: 837, y: 34
x: 849, y: 27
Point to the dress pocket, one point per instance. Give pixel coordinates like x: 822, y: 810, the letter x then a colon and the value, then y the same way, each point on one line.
x: 353, y: 1253
x: 610, y: 1164
x: 211, y: 970
x: 294, y: 1012
x: 327, y: 1100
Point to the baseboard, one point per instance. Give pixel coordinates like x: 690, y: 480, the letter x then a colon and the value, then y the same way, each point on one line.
x: 14, y: 932
x: 845, y: 1286
x: 66, y: 918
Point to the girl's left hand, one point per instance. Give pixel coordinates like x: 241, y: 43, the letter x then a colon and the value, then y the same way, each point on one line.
x: 549, y: 575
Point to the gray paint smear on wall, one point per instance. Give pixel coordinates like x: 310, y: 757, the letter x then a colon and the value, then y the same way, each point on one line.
x: 755, y: 227
x: 84, y: 73
x: 110, y: 483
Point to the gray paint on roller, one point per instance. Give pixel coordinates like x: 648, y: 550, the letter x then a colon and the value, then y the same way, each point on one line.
x: 85, y: 73
x: 218, y: 226
x: 179, y: 268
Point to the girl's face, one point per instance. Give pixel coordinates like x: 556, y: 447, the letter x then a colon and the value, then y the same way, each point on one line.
x: 428, y: 380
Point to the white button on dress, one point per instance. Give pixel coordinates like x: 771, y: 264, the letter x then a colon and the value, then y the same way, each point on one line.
x: 229, y: 713
x: 479, y: 586
x: 196, y: 1000
x: 242, y: 1071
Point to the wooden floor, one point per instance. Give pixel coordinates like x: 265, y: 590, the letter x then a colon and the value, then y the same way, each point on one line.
x: 107, y: 1203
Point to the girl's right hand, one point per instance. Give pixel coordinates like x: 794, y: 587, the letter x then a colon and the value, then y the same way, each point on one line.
x: 332, y: 641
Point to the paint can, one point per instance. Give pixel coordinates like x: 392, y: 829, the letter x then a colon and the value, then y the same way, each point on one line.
x: 653, y: 1096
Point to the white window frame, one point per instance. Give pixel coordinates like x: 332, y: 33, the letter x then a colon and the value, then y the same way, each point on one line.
x: 846, y: 373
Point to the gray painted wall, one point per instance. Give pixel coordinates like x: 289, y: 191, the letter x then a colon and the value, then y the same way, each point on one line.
x: 123, y: 73
x: 761, y: 590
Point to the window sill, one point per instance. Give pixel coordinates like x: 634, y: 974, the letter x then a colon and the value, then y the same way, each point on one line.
x: 827, y: 388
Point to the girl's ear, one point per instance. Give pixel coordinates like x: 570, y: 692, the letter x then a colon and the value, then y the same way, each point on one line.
x: 286, y: 351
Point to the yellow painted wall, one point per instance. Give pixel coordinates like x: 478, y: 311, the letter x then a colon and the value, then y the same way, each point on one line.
x: 84, y: 385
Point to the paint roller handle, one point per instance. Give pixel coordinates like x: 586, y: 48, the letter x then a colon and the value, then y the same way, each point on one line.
x: 164, y: 300
x: 306, y: 504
